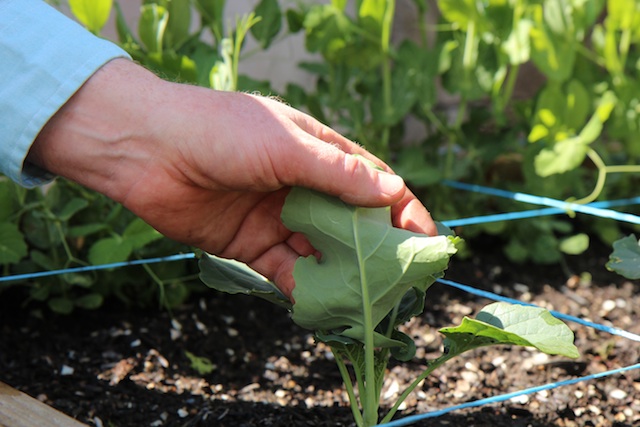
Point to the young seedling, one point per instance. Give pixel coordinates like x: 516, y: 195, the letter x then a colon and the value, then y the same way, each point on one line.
x: 371, y: 278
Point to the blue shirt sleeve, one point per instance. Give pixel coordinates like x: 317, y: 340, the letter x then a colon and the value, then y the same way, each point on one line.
x: 45, y: 58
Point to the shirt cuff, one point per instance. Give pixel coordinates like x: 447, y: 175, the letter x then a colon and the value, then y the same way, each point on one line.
x: 45, y: 58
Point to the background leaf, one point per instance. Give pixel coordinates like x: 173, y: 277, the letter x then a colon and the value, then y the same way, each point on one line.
x: 109, y: 250
x: 93, y: 14
x: 177, y: 30
x: 8, y: 200
x: 575, y: 245
x: 562, y: 157
x: 12, y: 245
x: 625, y: 259
x: 152, y: 25
x: 60, y: 305
x: 91, y: 301
x: 74, y: 206
x: 270, y: 22
x: 139, y: 234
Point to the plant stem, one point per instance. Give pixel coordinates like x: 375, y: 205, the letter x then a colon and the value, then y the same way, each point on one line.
x: 602, y: 177
x: 242, y: 27
x: 603, y: 170
x: 385, y: 41
x: 368, y: 397
x: 625, y: 42
x: 623, y: 169
x: 65, y: 245
x: 163, y: 295
x: 590, y: 55
x: 512, y: 76
x: 346, y: 379
x: 422, y: 30
x: 468, y: 56
x: 433, y: 119
x: 432, y: 366
x: 392, y: 320
x: 453, y: 137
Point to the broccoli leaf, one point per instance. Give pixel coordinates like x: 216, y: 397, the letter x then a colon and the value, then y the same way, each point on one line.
x: 233, y: 277
x: 367, y: 265
x: 503, y: 323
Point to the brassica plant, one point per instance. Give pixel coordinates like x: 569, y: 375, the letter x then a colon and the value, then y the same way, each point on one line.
x: 372, y: 278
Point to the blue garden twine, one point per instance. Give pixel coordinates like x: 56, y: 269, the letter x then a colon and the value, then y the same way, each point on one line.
x: 86, y: 268
x: 411, y: 419
x: 590, y: 209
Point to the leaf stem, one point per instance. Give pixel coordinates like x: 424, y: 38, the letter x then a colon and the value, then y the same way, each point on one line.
x: 623, y: 168
x: 346, y: 379
x: 512, y: 76
x: 392, y: 320
x: 469, y: 54
x: 242, y: 27
x: 63, y: 240
x: 589, y: 55
x: 625, y: 42
x: 602, y: 177
x: 454, y: 136
x: 368, y: 396
x: 603, y: 170
x: 385, y: 40
x: 432, y: 366
x: 161, y: 288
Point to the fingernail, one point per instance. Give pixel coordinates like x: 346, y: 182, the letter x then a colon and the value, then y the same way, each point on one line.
x: 390, y: 185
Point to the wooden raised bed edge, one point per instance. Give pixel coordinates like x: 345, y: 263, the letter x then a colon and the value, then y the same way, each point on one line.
x: 18, y: 409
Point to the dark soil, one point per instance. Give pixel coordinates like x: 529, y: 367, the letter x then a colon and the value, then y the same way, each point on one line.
x: 117, y: 367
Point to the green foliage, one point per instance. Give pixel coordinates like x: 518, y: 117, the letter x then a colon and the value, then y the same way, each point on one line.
x: 12, y: 247
x: 270, y: 22
x: 67, y: 226
x: 93, y: 14
x: 167, y: 44
x: 371, y: 279
x: 201, y: 365
x: 625, y: 258
x: 580, y: 117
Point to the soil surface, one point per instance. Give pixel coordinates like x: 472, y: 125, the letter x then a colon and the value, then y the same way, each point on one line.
x: 117, y: 367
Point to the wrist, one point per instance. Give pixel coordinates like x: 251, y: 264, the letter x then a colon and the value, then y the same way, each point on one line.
x: 100, y: 137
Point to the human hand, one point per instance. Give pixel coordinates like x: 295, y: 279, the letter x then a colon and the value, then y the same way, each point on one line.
x: 212, y: 169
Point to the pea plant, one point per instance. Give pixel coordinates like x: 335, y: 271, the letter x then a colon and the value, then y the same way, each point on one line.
x: 370, y: 280
x: 544, y: 101
x: 69, y: 226
x: 625, y: 258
